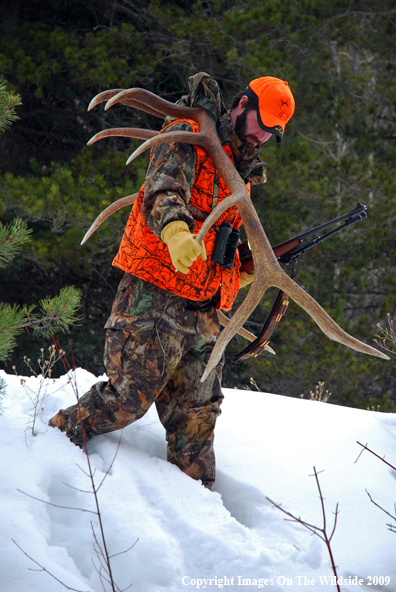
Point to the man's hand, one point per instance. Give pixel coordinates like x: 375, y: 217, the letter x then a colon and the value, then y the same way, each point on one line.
x: 245, y: 278
x: 183, y: 248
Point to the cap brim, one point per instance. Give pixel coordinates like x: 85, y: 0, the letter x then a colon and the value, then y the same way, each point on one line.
x: 275, y: 131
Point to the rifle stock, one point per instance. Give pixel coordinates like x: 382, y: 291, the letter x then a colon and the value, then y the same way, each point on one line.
x: 245, y: 254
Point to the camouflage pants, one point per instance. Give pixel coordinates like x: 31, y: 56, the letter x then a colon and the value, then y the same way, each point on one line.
x: 157, y: 346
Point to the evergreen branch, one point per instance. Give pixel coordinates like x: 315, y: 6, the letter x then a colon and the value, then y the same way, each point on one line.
x: 56, y: 314
x: 61, y: 310
x: 12, y: 237
x: 8, y: 101
x: 11, y: 318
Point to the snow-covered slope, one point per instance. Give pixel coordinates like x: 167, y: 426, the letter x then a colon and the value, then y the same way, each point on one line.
x: 266, y: 446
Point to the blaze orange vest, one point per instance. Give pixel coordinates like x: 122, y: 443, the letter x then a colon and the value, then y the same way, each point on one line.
x: 144, y: 255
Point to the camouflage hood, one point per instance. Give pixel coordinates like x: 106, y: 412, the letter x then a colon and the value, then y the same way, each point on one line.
x: 205, y: 92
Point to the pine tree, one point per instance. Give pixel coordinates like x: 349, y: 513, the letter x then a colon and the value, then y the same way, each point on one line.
x: 55, y: 313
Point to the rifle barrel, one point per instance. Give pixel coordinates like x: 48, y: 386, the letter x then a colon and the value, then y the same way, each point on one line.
x: 292, y: 248
x: 360, y: 209
x: 296, y: 252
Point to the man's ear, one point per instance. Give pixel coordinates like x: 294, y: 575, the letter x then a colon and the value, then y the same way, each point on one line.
x: 239, y: 109
x: 243, y: 101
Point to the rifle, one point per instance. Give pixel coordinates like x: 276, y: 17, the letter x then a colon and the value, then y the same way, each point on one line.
x: 289, y: 252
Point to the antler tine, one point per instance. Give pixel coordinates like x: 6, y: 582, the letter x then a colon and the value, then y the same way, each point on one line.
x: 137, y: 105
x: 148, y: 100
x: 123, y: 132
x: 111, y: 209
x: 109, y: 94
x: 325, y: 322
x: 103, y: 96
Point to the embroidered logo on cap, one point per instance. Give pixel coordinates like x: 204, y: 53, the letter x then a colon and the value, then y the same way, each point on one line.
x: 285, y: 109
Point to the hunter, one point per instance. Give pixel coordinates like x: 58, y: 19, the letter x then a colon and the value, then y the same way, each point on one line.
x: 163, y: 324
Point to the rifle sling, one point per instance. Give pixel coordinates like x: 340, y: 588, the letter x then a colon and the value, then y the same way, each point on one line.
x: 257, y: 346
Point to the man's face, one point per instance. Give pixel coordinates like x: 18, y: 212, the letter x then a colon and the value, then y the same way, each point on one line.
x: 248, y: 129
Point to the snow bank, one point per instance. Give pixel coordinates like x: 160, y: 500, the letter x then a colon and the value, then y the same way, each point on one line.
x: 189, y: 538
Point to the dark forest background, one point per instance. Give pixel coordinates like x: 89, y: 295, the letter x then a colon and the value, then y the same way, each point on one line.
x: 340, y: 61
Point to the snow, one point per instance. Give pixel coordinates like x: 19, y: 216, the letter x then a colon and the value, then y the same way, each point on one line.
x: 266, y: 446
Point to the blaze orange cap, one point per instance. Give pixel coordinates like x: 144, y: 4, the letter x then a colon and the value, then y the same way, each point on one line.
x: 274, y: 102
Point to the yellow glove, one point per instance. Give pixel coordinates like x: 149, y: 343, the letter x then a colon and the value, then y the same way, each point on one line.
x: 183, y: 248
x: 245, y: 278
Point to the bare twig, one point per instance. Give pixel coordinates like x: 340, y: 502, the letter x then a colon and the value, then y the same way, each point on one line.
x: 387, y: 334
x: 380, y: 457
x: 42, y: 568
x: 315, y: 529
x: 380, y: 507
x: 91, y: 476
x: 77, y: 488
x: 126, y: 550
x: 114, y: 457
x: 321, y: 393
x: 40, y: 393
x: 55, y: 505
x: 360, y: 453
x: 392, y: 527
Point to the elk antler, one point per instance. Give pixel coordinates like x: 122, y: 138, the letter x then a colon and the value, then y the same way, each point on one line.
x: 125, y: 100
x: 129, y: 200
x: 267, y: 270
